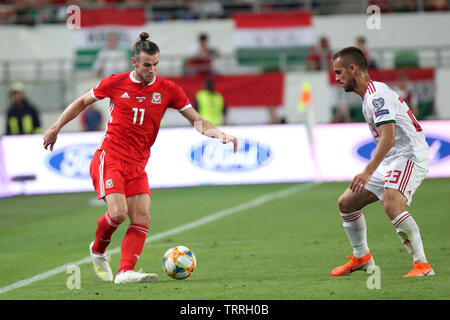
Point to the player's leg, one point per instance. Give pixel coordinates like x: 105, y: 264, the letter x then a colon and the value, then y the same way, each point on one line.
x: 398, y: 193
x: 350, y: 205
x: 108, y: 223
x: 109, y: 186
x: 138, y: 204
x: 134, y: 240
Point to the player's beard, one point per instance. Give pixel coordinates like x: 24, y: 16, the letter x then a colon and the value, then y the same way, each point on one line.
x: 350, y: 86
x: 145, y: 79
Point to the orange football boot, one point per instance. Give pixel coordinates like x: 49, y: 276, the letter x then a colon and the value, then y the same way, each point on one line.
x: 420, y: 269
x: 354, y: 264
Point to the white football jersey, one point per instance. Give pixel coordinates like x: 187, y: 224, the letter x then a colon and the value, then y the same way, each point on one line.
x: 382, y: 105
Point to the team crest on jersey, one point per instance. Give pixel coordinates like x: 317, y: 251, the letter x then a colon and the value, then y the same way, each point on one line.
x: 378, y: 103
x: 156, y: 97
x: 109, y: 183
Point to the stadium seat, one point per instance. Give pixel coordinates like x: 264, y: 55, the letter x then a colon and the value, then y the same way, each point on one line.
x: 406, y: 59
x: 269, y: 60
x: 425, y: 110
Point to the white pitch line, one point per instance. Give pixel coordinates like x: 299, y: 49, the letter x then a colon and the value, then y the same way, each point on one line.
x: 212, y: 217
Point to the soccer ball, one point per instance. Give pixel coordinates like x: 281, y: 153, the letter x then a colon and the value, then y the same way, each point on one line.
x: 179, y: 262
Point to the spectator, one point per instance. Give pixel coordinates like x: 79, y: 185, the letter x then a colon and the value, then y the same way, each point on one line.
x: 201, y: 57
x: 342, y: 114
x: 436, y: 5
x: 405, y: 5
x: 403, y: 88
x: 361, y: 44
x: 205, y: 9
x: 91, y: 119
x: 111, y: 59
x: 319, y: 57
x: 210, y: 104
x: 22, y: 117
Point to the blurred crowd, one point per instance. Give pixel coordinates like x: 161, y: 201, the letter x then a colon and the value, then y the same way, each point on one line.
x: 32, y: 12
x: 23, y: 115
x: 411, y: 5
x: 54, y: 11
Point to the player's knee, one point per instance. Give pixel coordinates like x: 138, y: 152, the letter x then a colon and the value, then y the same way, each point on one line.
x: 344, y: 204
x: 146, y: 218
x: 118, y: 213
x: 141, y: 217
x: 392, y: 207
x: 393, y: 203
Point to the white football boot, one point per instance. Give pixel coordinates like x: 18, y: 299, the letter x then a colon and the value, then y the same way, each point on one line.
x: 132, y: 276
x: 101, y: 265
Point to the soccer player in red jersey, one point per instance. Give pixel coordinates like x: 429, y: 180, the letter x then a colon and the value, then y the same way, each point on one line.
x: 138, y: 101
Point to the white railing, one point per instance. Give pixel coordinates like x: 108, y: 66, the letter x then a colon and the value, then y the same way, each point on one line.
x: 50, y: 83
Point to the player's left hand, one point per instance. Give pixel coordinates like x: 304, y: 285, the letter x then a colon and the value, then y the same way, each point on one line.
x: 50, y: 137
x: 229, y: 138
x: 359, y: 182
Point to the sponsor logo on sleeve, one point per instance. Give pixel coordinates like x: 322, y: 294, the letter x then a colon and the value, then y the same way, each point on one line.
x: 381, y: 112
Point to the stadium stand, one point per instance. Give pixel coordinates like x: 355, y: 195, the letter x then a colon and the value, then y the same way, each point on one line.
x: 56, y: 74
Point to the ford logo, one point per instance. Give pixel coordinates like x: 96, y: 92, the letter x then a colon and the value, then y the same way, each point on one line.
x: 73, y: 161
x: 438, y: 148
x: 213, y: 155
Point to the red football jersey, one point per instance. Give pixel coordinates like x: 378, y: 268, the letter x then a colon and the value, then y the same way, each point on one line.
x: 136, y: 113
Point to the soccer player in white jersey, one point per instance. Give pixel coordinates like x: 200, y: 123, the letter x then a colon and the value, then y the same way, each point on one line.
x: 397, y: 167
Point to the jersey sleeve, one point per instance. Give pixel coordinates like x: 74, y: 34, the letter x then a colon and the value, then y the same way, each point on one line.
x: 102, y: 89
x: 383, y: 106
x: 179, y: 100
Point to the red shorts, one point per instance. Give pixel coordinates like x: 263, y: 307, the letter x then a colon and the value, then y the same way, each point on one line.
x: 113, y: 175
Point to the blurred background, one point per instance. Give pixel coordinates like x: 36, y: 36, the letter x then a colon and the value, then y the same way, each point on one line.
x: 265, y: 62
x: 260, y: 70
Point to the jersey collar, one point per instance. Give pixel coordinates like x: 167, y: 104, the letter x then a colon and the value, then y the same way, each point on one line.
x: 367, y: 88
x: 137, y: 81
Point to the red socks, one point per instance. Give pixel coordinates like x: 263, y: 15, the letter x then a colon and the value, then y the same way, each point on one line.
x: 105, y: 228
x: 132, y: 246
x: 132, y: 243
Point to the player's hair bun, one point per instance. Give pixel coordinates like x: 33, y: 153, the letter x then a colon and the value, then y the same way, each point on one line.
x: 145, y: 45
x: 144, y: 36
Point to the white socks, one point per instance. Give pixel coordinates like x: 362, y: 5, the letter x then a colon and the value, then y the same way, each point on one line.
x: 355, y: 227
x: 408, y: 232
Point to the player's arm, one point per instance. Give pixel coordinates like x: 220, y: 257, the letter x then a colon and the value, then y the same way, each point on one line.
x: 70, y: 113
x: 207, y: 128
x: 386, y: 142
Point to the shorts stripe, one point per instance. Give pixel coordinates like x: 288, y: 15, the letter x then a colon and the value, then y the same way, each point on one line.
x: 406, y: 176
x: 100, y: 168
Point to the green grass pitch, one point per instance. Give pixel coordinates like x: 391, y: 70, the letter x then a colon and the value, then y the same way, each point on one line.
x: 276, y: 247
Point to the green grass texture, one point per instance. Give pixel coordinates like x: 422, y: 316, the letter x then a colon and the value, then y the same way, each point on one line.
x: 269, y: 244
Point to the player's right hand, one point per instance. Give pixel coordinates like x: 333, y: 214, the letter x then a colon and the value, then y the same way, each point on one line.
x: 229, y: 138
x: 50, y: 137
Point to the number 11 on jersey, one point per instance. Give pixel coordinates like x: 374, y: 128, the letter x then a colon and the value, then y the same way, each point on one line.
x: 136, y: 112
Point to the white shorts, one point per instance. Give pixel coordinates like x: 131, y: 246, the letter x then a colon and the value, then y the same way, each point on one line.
x: 402, y: 174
